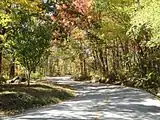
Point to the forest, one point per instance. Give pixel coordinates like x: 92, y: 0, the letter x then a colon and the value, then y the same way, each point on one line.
x: 106, y: 41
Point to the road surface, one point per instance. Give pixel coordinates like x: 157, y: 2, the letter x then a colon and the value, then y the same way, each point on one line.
x: 98, y: 102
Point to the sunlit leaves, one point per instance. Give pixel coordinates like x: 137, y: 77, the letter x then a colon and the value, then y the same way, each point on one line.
x: 83, y: 6
x: 149, y: 14
x: 4, y: 19
x: 78, y: 34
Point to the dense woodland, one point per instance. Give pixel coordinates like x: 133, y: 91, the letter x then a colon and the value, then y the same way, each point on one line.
x: 111, y: 41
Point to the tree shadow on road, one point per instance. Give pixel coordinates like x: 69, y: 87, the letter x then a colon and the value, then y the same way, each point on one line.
x: 104, y: 103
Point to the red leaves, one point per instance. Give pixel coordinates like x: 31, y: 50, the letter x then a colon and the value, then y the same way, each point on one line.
x: 72, y: 14
x: 83, y: 6
x: 53, y: 17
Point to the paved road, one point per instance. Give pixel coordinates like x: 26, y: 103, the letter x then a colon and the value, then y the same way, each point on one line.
x: 98, y: 102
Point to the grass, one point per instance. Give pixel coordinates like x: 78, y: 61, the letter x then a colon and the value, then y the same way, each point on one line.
x: 16, y: 98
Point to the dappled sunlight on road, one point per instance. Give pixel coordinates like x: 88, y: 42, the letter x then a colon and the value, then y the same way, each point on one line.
x: 101, y: 102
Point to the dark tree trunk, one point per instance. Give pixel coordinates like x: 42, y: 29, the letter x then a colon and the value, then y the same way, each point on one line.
x: 12, y: 69
x: 0, y: 56
x: 0, y: 61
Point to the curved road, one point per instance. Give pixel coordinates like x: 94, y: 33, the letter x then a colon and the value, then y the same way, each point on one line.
x: 98, y: 102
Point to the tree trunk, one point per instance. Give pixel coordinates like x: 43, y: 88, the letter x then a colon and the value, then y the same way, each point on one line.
x: 95, y: 66
x: 81, y: 64
x: 106, y: 61
x: 29, y: 77
x: 12, y: 68
x: 0, y: 55
x: 84, y: 67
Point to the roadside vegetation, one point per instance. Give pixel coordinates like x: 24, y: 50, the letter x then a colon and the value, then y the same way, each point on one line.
x: 17, y: 98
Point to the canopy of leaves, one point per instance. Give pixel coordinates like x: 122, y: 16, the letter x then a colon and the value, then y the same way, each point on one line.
x: 30, y: 39
x: 148, y: 14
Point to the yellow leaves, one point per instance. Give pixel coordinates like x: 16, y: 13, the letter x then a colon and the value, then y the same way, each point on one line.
x: 77, y: 34
x: 149, y: 14
x: 31, y: 5
x: 4, y: 19
x: 1, y: 38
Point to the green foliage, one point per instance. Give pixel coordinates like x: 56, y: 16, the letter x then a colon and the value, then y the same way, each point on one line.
x: 2, y: 80
x: 4, y: 20
x: 30, y: 39
x: 36, y: 75
x: 149, y: 13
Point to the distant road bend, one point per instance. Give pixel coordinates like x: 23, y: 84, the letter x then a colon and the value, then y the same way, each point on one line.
x: 97, y: 102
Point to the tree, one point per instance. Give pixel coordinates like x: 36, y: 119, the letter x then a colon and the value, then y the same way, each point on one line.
x: 30, y: 39
x: 6, y: 25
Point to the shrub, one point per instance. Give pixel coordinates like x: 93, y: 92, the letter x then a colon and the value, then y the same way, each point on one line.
x: 36, y: 75
x: 2, y: 80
